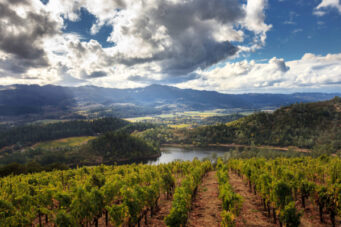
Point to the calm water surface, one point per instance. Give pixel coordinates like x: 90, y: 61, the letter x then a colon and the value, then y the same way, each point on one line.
x: 169, y: 154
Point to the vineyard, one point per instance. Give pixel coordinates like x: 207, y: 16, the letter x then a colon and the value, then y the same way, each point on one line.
x: 285, y: 186
x: 196, y: 193
x: 103, y: 195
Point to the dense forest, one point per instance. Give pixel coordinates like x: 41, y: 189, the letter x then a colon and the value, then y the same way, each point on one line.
x: 306, y: 125
x: 118, y: 146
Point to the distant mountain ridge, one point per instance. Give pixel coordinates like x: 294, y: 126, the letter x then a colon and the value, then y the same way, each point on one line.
x: 18, y: 100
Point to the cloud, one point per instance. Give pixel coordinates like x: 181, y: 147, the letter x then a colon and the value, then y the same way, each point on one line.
x: 172, y: 42
x: 255, y: 18
x: 323, y: 7
x: 297, y: 30
x: 308, y: 73
x: 179, y: 36
x: 23, y: 26
x: 96, y: 74
x: 153, y: 40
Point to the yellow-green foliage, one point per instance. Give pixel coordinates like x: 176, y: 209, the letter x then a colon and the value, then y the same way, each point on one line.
x: 184, y: 194
x: 228, y: 219
x: 231, y: 201
x: 78, y: 197
x: 65, y: 142
x: 180, y: 126
x: 237, y: 123
x: 281, y: 181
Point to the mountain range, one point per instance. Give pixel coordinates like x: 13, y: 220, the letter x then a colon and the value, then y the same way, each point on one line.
x: 56, y: 101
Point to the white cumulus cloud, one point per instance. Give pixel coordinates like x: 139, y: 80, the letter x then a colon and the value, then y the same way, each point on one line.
x: 309, y: 73
x: 152, y: 40
x: 322, y: 8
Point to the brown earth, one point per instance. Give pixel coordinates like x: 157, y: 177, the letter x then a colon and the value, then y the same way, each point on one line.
x: 311, y: 218
x: 252, y: 213
x: 206, y: 207
x: 165, y: 206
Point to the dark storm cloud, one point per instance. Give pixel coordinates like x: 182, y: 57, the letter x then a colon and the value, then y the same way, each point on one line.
x: 23, y: 2
x: 198, y: 56
x: 137, y: 78
x: 18, y: 66
x: 96, y: 74
x: 186, y: 23
x: 20, y: 36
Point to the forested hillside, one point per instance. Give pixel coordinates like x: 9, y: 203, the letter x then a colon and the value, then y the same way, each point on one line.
x: 29, y: 134
x: 39, y: 147
x: 118, y: 146
x: 306, y: 125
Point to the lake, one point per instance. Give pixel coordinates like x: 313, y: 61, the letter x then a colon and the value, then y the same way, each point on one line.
x: 169, y: 154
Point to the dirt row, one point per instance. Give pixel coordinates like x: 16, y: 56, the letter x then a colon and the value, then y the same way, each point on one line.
x: 207, y: 207
x: 253, y: 213
x: 250, y: 215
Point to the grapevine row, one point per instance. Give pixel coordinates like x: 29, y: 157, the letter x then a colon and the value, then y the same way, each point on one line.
x: 282, y: 181
x: 80, y: 197
x: 231, y: 201
x: 184, y: 194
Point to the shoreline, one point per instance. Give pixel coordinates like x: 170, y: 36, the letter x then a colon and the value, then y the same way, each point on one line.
x: 233, y: 145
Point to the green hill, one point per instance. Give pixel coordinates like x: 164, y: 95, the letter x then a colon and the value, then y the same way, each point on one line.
x: 119, y: 146
x: 306, y: 125
x: 38, y: 147
x: 33, y: 133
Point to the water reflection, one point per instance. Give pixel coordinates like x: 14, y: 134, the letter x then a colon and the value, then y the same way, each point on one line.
x: 169, y: 154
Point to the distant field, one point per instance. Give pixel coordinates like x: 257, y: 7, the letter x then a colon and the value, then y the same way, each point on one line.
x: 189, y: 119
x: 138, y: 119
x: 65, y: 142
x: 180, y: 126
x: 177, y: 115
x: 49, y: 121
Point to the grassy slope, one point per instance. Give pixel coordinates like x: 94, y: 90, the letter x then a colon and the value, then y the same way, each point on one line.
x: 65, y: 142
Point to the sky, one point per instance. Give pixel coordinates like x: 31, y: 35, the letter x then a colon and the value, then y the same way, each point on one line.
x: 229, y: 46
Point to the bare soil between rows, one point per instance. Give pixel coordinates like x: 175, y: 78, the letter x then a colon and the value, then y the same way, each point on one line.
x: 206, y: 207
x: 253, y: 214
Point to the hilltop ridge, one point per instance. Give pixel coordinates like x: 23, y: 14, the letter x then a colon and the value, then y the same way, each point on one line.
x: 56, y: 102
